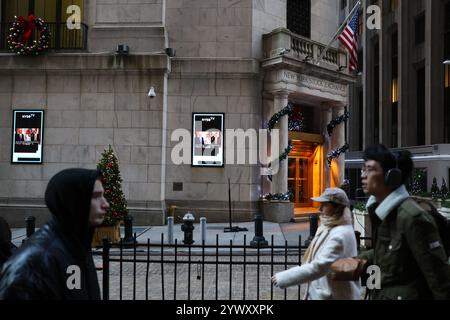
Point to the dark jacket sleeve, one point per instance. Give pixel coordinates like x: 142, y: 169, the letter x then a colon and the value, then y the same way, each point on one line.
x: 426, y: 246
x: 367, y: 255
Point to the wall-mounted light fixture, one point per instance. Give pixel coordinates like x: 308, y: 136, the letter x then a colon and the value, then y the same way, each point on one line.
x: 122, y: 49
x: 151, y: 92
x: 170, y: 52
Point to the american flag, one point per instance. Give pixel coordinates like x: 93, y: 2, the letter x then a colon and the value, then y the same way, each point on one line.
x: 349, y: 40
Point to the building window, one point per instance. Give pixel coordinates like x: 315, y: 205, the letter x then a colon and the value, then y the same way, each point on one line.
x: 447, y: 75
x: 376, y: 93
x: 299, y: 17
x: 343, y: 4
x: 360, y: 61
x: 361, y: 23
x: 54, y: 13
x: 49, y: 10
x: 394, y: 90
x: 393, y: 5
x: 420, y: 76
x: 420, y: 29
x: 361, y: 120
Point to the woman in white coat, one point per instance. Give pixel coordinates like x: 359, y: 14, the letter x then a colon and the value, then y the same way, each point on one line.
x: 335, y: 239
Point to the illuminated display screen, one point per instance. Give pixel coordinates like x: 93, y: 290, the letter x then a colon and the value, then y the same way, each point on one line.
x: 27, y: 136
x: 207, y: 139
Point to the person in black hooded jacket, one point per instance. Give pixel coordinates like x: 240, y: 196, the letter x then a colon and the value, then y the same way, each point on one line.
x: 56, y: 262
x: 6, y: 247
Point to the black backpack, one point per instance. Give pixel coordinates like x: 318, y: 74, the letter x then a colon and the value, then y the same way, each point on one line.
x: 442, y: 223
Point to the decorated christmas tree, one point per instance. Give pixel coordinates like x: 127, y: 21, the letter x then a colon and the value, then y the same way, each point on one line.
x: 435, y: 193
x: 111, y: 180
x: 444, y: 190
x: 416, y: 188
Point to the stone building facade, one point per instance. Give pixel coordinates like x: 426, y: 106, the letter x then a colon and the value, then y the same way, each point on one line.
x: 401, y: 96
x: 230, y: 58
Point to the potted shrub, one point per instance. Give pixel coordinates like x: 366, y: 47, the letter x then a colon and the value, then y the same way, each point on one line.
x: 278, y: 207
x: 111, y: 180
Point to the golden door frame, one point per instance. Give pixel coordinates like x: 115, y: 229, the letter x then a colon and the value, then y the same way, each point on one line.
x: 305, y: 163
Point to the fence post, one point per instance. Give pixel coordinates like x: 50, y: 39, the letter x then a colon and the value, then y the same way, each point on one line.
x: 313, y: 225
x: 203, y: 228
x: 358, y: 239
x: 258, y: 239
x: 30, y: 225
x: 128, y: 224
x: 105, y: 256
x: 170, y: 229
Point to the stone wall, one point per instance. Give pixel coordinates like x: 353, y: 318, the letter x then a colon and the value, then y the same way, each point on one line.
x: 137, y: 23
x: 324, y: 20
x: 267, y: 16
x: 210, y: 28
x: 233, y: 89
x: 92, y: 105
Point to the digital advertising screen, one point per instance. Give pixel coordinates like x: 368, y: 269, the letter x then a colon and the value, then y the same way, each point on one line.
x: 27, y: 136
x: 207, y: 139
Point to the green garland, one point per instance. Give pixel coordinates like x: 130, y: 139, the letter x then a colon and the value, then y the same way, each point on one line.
x: 334, y: 154
x: 279, y: 196
x: 286, y: 152
x: 271, y: 124
x: 15, y: 41
x: 277, y: 116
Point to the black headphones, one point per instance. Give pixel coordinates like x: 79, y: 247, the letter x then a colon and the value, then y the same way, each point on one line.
x: 393, y: 177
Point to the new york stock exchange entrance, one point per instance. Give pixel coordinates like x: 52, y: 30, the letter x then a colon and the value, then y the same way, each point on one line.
x: 305, y: 174
x: 319, y: 98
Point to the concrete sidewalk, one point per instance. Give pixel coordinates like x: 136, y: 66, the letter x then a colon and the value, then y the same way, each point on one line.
x: 281, y: 233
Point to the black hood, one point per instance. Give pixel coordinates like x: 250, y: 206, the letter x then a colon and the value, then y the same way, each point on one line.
x: 68, y: 197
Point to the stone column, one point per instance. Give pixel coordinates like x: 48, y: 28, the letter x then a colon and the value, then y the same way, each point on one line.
x: 327, y: 117
x: 338, y: 140
x: 280, y: 180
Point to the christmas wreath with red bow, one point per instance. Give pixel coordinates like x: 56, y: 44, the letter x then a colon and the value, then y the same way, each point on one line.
x: 21, y: 32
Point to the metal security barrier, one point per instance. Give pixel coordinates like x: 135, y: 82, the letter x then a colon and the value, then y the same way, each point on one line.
x: 161, y: 271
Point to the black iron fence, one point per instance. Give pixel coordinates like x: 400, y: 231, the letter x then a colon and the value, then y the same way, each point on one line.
x: 62, y: 38
x: 161, y: 271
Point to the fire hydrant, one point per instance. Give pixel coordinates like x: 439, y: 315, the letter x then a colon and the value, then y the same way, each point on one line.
x: 188, y: 227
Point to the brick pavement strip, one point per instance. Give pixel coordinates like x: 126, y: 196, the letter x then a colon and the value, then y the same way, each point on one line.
x: 223, y: 288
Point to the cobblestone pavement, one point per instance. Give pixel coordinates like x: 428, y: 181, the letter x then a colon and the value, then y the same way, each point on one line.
x: 154, y: 291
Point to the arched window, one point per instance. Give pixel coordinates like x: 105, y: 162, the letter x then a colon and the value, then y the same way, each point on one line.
x: 299, y: 17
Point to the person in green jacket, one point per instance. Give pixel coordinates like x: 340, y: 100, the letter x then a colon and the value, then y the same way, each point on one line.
x: 407, y: 247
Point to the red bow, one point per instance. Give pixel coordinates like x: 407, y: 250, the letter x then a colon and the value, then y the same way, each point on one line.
x: 27, y: 27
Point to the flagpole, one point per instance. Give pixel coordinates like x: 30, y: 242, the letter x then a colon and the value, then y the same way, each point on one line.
x: 339, y: 30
